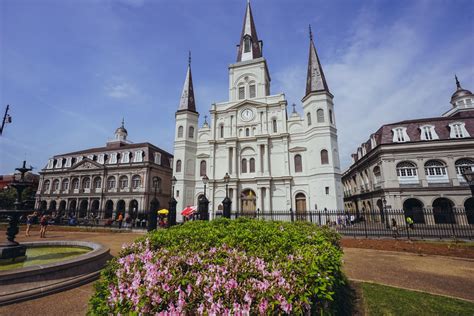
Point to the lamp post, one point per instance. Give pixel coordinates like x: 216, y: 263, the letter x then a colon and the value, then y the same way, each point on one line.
x: 227, y: 201
x: 153, y: 216
x: 468, y: 175
x: 384, y: 201
x: 172, y: 204
x: 203, y: 206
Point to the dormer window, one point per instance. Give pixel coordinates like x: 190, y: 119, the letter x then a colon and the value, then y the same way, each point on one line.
x: 458, y: 130
x: 400, y: 135
x: 308, y: 117
x: 428, y: 132
x: 247, y: 44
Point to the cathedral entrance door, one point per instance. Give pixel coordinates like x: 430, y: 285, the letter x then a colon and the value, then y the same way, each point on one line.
x: 248, y: 202
x: 300, y: 206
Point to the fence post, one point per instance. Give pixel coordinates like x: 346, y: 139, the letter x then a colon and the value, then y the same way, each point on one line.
x: 365, y: 225
x: 453, y: 221
x: 311, y: 216
x: 319, y: 218
x: 408, y: 229
x: 292, y: 215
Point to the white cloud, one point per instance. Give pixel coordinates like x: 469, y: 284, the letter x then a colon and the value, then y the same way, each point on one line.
x: 120, y: 90
x: 384, y: 75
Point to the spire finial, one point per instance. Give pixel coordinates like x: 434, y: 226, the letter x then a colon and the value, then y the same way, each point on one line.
x: 189, y: 58
x: 205, y: 119
x: 123, y: 122
x: 294, y: 108
x: 310, y: 33
x: 458, y: 84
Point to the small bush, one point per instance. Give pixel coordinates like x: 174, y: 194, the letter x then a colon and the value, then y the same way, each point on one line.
x: 225, y: 267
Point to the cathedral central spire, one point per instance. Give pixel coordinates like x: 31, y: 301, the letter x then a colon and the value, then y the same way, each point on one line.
x: 315, y: 81
x: 187, y: 102
x: 250, y: 47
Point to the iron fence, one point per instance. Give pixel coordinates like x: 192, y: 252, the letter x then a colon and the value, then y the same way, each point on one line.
x: 456, y: 223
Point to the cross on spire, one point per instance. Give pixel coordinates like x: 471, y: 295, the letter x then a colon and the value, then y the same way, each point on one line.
x: 458, y: 84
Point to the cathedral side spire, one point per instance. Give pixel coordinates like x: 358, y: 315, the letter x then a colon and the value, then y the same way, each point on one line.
x: 250, y: 47
x: 187, y: 102
x: 315, y: 81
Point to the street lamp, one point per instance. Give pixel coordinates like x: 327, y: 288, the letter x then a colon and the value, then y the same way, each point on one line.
x: 204, y: 202
x: 384, y: 201
x: 227, y: 201
x: 153, y: 216
x: 468, y: 175
x: 172, y: 204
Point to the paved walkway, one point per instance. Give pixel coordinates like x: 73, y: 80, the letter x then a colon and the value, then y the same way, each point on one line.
x: 435, y: 274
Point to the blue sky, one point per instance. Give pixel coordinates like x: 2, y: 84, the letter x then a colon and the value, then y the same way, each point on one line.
x: 72, y: 69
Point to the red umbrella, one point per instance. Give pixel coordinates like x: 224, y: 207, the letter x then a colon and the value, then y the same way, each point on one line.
x: 188, y: 211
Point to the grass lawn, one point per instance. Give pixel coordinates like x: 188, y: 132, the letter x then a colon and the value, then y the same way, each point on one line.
x: 386, y: 300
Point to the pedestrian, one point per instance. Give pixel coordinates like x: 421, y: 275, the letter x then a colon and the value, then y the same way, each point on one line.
x: 394, y: 228
x: 44, y: 225
x: 128, y: 221
x: 30, y: 220
x: 352, y: 220
x: 410, y: 222
x: 120, y: 220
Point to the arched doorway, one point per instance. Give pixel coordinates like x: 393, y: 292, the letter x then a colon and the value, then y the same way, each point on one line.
x: 300, y: 203
x: 72, y: 206
x: 43, y: 205
x: 120, y: 207
x: 52, y: 206
x: 62, y: 206
x: 248, y: 202
x: 95, y: 206
x: 414, y: 208
x: 83, y: 208
x: 109, y: 209
x: 443, y: 211
x: 469, y: 208
x: 133, y: 208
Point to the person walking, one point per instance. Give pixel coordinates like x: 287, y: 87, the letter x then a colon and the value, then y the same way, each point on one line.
x: 120, y: 220
x: 43, y: 225
x: 410, y: 222
x: 394, y: 228
x: 30, y: 220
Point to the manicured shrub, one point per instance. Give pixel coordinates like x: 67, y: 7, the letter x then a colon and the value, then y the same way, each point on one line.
x: 224, y: 267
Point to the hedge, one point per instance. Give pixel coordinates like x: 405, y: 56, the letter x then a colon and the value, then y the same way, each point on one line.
x: 233, y: 267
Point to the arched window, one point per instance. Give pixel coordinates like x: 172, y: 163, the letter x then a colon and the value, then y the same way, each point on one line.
x: 324, y: 157
x: 244, y: 166
x: 463, y: 165
x: 56, y: 185
x: 65, y: 184
x: 330, y: 117
x: 435, y: 171
x: 123, y: 182
x: 203, y: 168
x: 178, y: 165
x: 191, y: 132
x: 252, y: 165
x: 377, y: 174
x: 222, y: 131
x: 111, y: 182
x: 86, y: 183
x: 308, y: 117
x: 320, y: 115
x: 298, y: 163
x: 407, y: 172
x: 97, y: 182
x: 136, y: 181
x: 247, y: 132
x: 46, y: 185
x: 75, y: 183
x: 180, y: 132
x: 275, y: 126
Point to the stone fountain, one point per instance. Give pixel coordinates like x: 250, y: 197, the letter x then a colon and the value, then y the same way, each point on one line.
x: 10, y: 250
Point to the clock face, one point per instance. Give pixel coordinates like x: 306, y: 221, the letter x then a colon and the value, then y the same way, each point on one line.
x: 246, y: 115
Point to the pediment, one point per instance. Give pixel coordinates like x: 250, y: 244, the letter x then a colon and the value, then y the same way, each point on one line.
x: 86, y: 164
x: 203, y: 156
x: 297, y: 149
x: 246, y: 103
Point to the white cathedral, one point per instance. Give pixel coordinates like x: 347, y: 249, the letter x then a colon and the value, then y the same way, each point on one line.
x: 275, y: 162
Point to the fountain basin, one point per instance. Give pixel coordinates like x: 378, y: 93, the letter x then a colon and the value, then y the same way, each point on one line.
x: 43, y: 277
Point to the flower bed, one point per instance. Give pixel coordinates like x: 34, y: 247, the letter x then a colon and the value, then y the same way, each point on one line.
x: 225, y: 267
